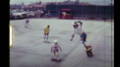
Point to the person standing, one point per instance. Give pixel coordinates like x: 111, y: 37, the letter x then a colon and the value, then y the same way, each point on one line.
x: 27, y: 23
x: 75, y: 26
x: 46, y: 32
x: 77, y: 29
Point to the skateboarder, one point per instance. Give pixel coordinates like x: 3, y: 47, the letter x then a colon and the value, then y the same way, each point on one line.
x: 55, y: 49
x: 27, y: 23
x: 46, y: 32
x: 77, y: 29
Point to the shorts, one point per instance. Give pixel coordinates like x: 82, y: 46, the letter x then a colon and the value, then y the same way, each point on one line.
x: 46, y: 33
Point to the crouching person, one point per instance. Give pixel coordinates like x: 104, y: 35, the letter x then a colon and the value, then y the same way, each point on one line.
x: 56, y: 49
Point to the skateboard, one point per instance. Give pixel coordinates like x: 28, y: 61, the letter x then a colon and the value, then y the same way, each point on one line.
x: 89, y: 51
x: 56, y: 59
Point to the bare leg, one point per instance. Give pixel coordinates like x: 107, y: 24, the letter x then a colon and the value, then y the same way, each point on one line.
x: 44, y: 37
x: 56, y: 55
x: 84, y: 44
x: 47, y: 35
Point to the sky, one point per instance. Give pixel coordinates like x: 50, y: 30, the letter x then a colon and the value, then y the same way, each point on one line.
x: 98, y: 2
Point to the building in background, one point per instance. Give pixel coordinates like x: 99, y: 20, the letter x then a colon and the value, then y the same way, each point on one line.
x: 82, y: 10
x: 67, y: 10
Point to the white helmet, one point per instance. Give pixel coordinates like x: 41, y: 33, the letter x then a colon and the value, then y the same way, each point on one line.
x: 55, y: 41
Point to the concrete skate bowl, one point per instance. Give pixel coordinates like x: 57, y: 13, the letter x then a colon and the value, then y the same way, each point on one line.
x: 65, y: 32
x: 69, y: 52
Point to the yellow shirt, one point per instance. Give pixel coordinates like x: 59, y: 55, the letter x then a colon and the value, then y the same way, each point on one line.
x: 46, y: 30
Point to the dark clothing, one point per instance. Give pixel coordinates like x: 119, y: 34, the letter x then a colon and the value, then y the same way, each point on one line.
x: 46, y: 34
x: 56, y: 48
x: 83, y: 37
x: 27, y: 21
x: 75, y: 26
